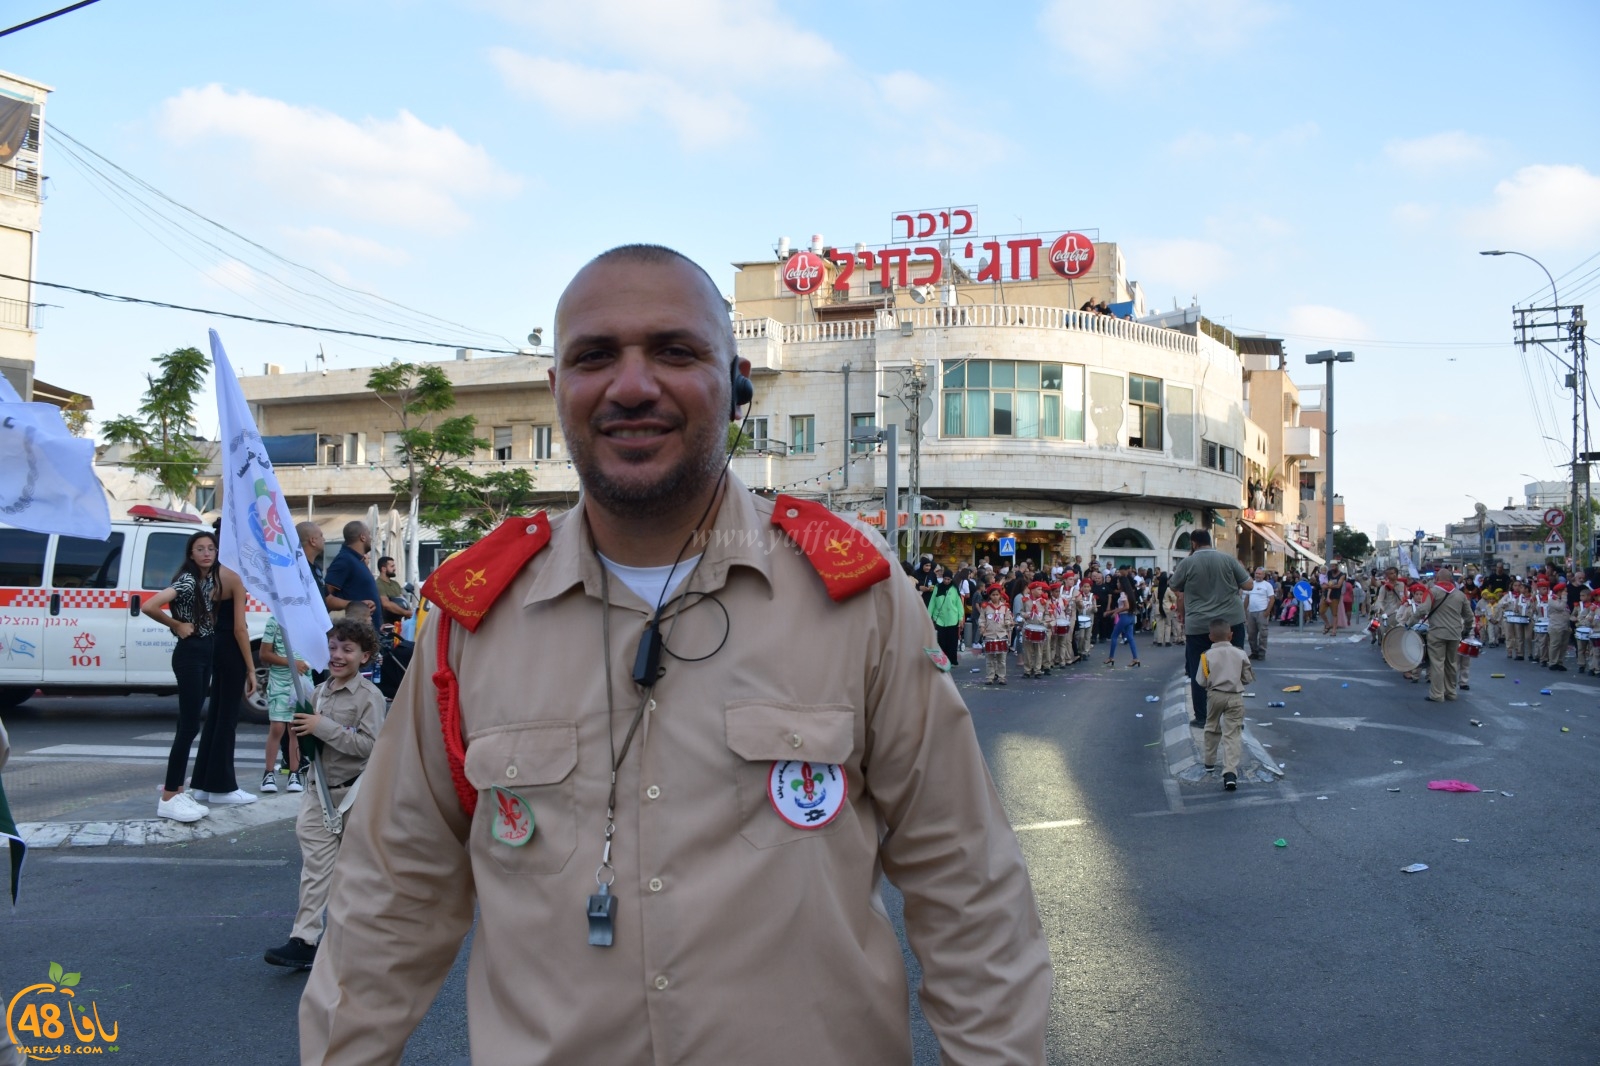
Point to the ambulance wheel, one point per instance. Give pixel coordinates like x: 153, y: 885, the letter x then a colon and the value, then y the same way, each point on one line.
x: 14, y: 696
x: 254, y: 707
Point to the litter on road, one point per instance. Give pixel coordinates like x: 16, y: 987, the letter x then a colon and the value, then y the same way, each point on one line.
x: 1508, y: 795
x: 1391, y: 790
x: 1292, y: 688
x: 1276, y: 703
x: 1414, y: 868
x: 1461, y: 840
x: 1280, y: 843
x: 1564, y: 729
x: 1475, y: 722
x: 1152, y: 699
x: 1521, y: 705
x: 1139, y: 714
x: 1453, y: 786
x: 1545, y: 692
x: 1497, y: 675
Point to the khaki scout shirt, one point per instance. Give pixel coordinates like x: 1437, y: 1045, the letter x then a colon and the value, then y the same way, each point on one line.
x: 352, y: 714
x: 1448, y: 611
x: 1225, y: 668
x: 739, y: 937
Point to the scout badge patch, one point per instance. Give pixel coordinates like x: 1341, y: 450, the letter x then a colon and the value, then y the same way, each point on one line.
x: 807, y: 795
x: 939, y: 658
x: 512, y: 820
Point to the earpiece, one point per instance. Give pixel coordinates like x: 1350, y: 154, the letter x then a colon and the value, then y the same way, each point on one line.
x: 743, y: 390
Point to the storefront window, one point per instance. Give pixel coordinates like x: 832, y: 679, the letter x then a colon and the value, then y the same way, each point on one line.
x: 1004, y: 398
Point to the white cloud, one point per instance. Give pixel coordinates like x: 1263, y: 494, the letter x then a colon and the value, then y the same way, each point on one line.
x: 1317, y: 322
x: 1413, y: 215
x: 1544, y: 206
x: 691, y: 63
x: 1187, y: 265
x: 400, y: 171
x: 1120, y: 40
x: 1199, y: 144
x: 581, y: 94
x: 334, y: 242
x: 738, y: 40
x: 1437, y: 151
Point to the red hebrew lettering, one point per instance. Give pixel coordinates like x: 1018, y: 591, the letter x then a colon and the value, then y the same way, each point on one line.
x: 867, y: 260
x: 907, y: 220
x: 964, y: 226
x: 990, y: 272
x: 846, y: 262
x: 933, y: 276
x: 1031, y: 245
x: 898, y: 257
x: 928, y: 229
x: 944, y: 220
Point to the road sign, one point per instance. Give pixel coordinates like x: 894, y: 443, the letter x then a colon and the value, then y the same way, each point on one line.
x: 1555, y: 546
x: 1553, y: 518
x: 1008, y: 546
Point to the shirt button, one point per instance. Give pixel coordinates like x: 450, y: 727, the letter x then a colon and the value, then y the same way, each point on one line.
x: 661, y: 983
x: 794, y: 740
x: 511, y: 771
x: 653, y: 792
x: 655, y: 884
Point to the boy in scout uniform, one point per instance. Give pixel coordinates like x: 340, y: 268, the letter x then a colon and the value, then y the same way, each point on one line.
x: 615, y: 749
x: 346, y: 715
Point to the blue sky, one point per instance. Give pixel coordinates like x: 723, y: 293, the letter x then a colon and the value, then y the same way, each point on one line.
x: 1323, y: 172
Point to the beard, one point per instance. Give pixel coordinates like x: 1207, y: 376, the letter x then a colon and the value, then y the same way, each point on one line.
x: 644, y: 496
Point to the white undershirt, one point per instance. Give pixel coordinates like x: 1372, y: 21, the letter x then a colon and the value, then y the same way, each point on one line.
x: 649, y: 583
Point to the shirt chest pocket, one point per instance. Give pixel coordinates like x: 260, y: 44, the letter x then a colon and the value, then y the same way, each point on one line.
x: 526, y: 772
x: 790, y: 774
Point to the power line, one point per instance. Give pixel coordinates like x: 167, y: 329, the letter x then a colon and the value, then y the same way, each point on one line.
x: 252, y: 318
x: 141, y: 192
x: 47, y: 18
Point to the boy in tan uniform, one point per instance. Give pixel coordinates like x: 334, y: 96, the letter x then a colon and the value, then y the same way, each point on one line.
x: 1225, y: 671
x: 348, y: 712
x: 994, y: 624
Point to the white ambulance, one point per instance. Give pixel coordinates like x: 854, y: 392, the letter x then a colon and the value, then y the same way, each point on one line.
x: 69, y: 610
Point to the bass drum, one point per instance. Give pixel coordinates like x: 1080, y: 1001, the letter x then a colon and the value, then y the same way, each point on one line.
x: 1403, y: 649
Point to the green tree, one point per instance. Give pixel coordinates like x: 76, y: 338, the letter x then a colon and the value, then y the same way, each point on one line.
x: 162, y: 434
x: 418, y: 394
x: 1351, y: 545
x: 464, y: 506
x: 76, y: 415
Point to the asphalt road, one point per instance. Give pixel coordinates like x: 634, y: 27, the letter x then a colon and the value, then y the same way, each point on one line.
x: 1180, y: 932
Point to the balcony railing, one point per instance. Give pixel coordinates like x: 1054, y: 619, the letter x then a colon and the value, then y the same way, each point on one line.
x: 16, y: 313
x: 1035, y: 317
x: 21, y: 178
x: 849, y: 329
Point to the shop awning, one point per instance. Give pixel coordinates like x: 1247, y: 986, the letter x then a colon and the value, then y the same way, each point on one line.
x: 1311, y: 556
x: 1267, y: 535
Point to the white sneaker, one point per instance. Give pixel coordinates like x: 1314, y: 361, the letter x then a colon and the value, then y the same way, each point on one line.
x: 237, y: 797
x: 180, y: 808
x: 199, y: 795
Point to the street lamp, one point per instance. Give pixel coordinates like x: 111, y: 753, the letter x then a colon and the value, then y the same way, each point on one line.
x: 1329, y: 358
x: 889, y: 436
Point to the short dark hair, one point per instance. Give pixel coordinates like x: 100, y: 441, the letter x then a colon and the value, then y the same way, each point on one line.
x: 1220, y: 630
x: 385, y: 559
x: 1200, y: 538
x: 357, y: 633
x: 353, y: 531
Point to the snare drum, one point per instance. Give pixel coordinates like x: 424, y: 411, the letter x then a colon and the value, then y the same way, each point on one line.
x: 1517, y: 619
x: 995, y: 647
x: 1470, y: 648
x: 1584, y: 633
x: 1085, y: 621
x: 1375, y: 625
x: 1034, y: 633
x: 1541, y: 626
x: 1063, y: 628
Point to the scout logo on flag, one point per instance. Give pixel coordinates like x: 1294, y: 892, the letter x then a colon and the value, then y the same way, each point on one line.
x: 513, y: 818
x: 938, y: 657
x: 844, y: 557
x: 807, y: 795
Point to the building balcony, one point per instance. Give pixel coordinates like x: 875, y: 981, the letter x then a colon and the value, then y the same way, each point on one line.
x: 372, y: 482
x: 1302, y: 442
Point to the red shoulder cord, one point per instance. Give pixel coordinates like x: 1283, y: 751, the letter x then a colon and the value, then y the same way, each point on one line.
x: 449, y: 690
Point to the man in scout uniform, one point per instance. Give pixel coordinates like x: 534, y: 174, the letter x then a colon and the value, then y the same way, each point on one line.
x: 675, y: 834
x: 1386, y: 605
x: 1447, y: 613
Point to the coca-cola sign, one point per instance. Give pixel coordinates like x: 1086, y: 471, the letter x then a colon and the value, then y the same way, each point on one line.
x: 803, y: 273
x: 1072, y: 255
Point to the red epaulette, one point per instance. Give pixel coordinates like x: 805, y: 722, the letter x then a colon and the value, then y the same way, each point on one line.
x: 846, y: 560
x: 464, y: 588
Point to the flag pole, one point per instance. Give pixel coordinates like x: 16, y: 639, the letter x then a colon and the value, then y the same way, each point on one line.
x: 331, y: 818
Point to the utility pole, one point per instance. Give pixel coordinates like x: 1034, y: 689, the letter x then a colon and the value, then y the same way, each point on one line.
x: 1329, y: 358
x: 849, y: 446
x: 1543, y: 326
x: 916, y: 383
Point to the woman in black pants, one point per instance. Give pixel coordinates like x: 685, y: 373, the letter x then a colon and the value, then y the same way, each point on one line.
x: 193, y: 621
x: 232, y: 678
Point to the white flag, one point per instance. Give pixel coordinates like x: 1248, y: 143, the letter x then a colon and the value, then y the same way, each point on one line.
x: 259, y: 541
x: 47, y: 478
